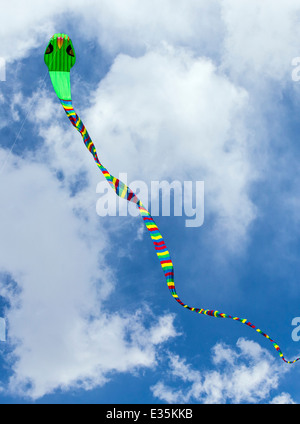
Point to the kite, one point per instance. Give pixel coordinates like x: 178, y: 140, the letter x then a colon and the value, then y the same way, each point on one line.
x: 60, y: 58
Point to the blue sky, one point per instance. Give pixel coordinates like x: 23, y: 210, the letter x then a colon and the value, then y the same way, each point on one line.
x: 173, y: 90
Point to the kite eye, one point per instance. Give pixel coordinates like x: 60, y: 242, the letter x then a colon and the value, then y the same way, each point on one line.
x: 70, y: 51
x: 49, y: 49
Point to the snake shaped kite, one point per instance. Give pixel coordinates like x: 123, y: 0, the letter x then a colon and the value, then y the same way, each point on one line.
x: 59, y: 58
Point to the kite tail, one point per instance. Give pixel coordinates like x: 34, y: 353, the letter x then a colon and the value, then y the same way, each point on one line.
x: 162, y: 252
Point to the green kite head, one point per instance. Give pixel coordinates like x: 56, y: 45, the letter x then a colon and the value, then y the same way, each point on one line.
x: 59, y: 58
x: 60, y: 54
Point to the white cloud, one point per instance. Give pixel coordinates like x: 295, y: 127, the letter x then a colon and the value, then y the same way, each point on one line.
x: 59, y: 331
x: 261, y: 38
x: 135, y: 26
x: 283, y: 398
x: 247, y: 374
x: 24, y: 27
x: 171, y: 114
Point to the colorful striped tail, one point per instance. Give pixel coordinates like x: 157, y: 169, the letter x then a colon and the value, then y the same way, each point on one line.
x: 162, y: 252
